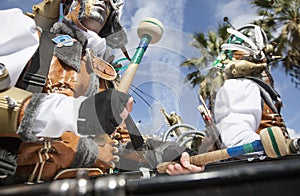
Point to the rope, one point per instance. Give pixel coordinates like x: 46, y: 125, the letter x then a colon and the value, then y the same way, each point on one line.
x: 44, y: 150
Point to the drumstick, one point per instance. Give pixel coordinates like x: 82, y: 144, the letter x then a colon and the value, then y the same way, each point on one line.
x: 150, y: 31
x: 272, y: 142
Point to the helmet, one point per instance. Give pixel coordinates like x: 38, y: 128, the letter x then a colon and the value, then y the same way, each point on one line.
x: 117, y: 4
x: 113, y: 31
x: 250, y: 39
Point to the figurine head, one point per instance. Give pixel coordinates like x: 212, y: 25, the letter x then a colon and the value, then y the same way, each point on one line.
x: 100, y: 16
x: 248, y: 43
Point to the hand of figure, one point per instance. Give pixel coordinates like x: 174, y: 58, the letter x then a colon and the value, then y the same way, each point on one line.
x: 111, y: 107
x: 185, y: 167
x: 107, y: 150
x: 121, y: 134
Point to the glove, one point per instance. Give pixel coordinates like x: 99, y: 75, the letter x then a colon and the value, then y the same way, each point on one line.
x: 103, y: 112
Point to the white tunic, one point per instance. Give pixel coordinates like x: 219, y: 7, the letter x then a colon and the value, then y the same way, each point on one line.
x: 18, y: 41
x: 57, y: 114
x: 238, y: 112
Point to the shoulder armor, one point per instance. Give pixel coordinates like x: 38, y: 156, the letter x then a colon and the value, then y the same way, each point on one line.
x: 11, y: 102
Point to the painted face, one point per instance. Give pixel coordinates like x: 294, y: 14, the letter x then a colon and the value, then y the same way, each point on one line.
x: 93, y: 14
x: 89, y: 14
x: 238, y: 55
x: 98, y: 10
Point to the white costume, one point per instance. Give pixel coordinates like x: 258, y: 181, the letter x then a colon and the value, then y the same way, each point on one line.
x: 238, y: 110
x: 238, y: 105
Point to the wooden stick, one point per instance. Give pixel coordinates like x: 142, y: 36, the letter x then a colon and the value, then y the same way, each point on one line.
x: 272, y: 142
x: 218, y: 155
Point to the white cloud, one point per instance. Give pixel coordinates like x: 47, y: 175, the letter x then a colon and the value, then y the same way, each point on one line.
x: 293, y: 133
x: 239, y: 12
x: 170, y: 12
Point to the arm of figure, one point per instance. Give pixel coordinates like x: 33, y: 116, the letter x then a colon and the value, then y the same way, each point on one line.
x: 52, y: 115
x: 238, y: 112
x: 49, y: 116
x: 184, y: 167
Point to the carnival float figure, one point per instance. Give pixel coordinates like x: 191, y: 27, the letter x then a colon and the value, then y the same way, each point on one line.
x: 247, y: 102
x: 57, y: 107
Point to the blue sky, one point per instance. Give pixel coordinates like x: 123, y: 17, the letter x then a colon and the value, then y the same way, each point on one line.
x: 159, y: 79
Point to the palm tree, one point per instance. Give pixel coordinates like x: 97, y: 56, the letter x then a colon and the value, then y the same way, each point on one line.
x: 209, y: 46
x: 283, y: 15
